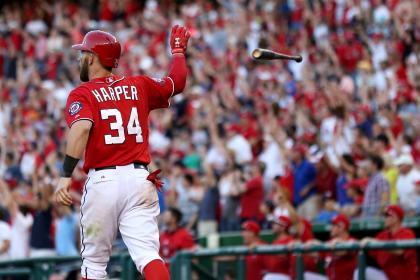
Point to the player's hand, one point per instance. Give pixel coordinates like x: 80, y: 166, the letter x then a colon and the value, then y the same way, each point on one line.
x: 179, y: 39
x: 365, y: 241
x: 311, y: 243
x: 62, y: 193
x: 292, y: 244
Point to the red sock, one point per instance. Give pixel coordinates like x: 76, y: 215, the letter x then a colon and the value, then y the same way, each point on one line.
x: 156, y: 270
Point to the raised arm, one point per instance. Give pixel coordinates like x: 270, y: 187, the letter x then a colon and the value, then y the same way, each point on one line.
x: 178, y: 69
x: 6, y: 195
x: 161, y: 90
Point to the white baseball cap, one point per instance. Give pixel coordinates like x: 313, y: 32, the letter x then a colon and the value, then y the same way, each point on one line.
x: 404, y: 159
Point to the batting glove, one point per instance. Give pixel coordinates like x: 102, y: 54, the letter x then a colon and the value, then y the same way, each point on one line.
x: 153, y: 177
x: 179, y: 39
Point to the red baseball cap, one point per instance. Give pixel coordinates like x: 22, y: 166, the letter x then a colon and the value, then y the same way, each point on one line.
x: 251, y: 226
x: 341, y: 219
x: 234, y: 127
x: 284, y: 221
x: 396, y: 210
x: 357, y: 183
x: 417, y: 182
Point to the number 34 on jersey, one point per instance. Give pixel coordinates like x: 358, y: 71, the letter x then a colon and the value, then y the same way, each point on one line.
x: 133, y: 126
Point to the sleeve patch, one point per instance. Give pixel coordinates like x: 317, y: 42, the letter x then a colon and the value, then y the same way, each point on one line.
x: 75, y: 108
x: 159, y: 81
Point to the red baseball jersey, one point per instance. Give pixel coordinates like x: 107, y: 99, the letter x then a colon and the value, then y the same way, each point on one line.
x: 397, y: 266
x: 279, y: 263
x: 255, y: 265
x: 119, y: 108
x: 309, y: 259
x: 172, y: 242
x: 339, y: 266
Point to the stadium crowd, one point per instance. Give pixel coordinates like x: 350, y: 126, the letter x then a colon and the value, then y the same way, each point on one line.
x: 338, y: 133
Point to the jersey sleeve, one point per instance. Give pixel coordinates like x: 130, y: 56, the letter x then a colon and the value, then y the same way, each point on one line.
x: 78, y: 106
x: 187, y: 241
x: 158, y: 91
x: 406, y: 234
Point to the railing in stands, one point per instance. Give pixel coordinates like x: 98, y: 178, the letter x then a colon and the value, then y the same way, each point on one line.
x: 43, y: 267
x: 182, y: 264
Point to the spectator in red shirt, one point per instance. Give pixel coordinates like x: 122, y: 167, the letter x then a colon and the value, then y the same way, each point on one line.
x: 395, y: 264
x: 278, y: 266
x: 326, y: 177
x: 254, y: 263
x: 174, y: 238
x: 252, y: 193
x: 349, y: 52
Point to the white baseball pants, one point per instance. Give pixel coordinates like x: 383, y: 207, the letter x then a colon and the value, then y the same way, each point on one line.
x: 371, y: 273
x: 113, y: 199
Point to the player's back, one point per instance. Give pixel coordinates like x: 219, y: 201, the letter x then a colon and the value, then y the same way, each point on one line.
x: 118, y: 108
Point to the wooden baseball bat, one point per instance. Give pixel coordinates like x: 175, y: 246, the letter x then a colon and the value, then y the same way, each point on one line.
x: 263, y: 54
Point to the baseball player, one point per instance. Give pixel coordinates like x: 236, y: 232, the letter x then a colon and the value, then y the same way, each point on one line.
x: 394, y: 264
x: 339, y: 265
x: 255, y: 264
x: 278, y: 266
x: 175, y: 238
x: 108, y: 119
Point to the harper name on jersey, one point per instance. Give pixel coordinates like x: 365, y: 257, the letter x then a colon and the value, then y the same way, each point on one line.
x: 116, y: 94
x: 119, y: 108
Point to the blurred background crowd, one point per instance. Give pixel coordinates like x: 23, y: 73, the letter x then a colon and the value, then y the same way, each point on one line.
x: 247, y: 140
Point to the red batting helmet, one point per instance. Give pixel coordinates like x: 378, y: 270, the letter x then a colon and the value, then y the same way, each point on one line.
x: 104, y: 45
